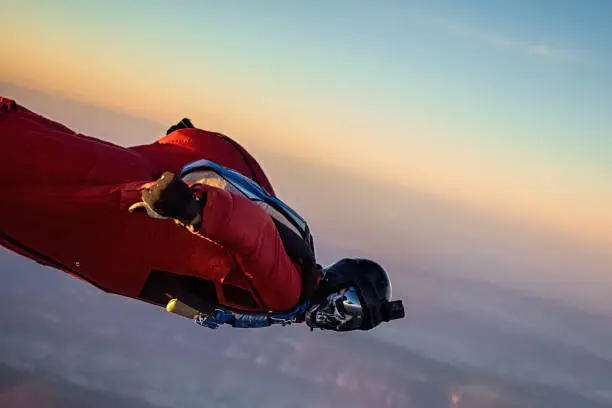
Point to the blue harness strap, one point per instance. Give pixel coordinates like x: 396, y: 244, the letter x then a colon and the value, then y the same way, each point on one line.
x: 249, y: 320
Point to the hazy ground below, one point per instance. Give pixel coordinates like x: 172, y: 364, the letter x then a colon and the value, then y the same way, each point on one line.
x: 65, y: 344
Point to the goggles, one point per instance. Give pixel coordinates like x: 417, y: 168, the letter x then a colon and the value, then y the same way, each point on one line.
x: 339, y: 311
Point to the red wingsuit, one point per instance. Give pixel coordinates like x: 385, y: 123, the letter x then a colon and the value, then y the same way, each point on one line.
x: 64, y: 203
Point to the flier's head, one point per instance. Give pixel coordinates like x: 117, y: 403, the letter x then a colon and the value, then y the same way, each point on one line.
x: 355, y: 294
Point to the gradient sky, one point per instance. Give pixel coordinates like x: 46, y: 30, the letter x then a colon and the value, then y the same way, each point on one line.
x: 504, y: 106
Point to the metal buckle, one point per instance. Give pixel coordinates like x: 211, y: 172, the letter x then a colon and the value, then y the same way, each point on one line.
x: 208, y: 321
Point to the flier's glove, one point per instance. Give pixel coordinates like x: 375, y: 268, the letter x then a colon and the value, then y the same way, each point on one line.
x: 171, y: 198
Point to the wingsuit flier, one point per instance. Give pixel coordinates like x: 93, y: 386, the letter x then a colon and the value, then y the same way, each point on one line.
x: 189, y: 222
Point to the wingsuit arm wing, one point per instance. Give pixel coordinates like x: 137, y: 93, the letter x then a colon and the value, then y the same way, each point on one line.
x: 249, y: 232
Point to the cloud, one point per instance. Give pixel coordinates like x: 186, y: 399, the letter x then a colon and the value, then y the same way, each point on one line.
x: 535, y: 48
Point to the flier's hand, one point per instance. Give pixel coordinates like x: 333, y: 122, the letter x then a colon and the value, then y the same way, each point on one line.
x: 170, y: 198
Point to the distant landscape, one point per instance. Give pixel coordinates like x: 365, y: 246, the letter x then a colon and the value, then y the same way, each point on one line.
x: 66, y: 344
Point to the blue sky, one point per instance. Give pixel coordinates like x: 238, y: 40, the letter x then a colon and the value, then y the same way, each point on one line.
x: 515, y: 75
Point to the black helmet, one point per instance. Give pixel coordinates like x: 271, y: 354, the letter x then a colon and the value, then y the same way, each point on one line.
x: 372, y: 304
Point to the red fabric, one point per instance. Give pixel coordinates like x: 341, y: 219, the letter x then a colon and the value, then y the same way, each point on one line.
x: 183, y: 146
x: 65, y: 196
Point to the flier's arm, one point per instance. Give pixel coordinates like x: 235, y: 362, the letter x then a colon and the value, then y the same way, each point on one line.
x: 249, y: 232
